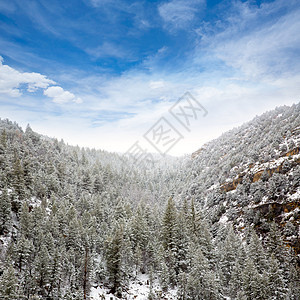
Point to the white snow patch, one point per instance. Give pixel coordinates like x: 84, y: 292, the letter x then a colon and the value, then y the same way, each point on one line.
x: 295, y: 196
x: 213, y: 187
x: 264, y: 200
x: 223, y: 219
x: 138, y: 289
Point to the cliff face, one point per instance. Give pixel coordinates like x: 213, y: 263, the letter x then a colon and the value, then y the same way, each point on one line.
x: 281, y: 212
x: 291, y: 156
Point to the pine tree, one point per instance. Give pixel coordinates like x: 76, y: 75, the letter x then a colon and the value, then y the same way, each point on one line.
x: 170, y: 226
x: 8, y: 284
x: 42, y: 269
x: 201, y: 283
x: 3, y: 141
x: 274, y: 242
x: 86, y: 272
x: 293, y: 283
x: 140, y: 237
x: 170, y: 240
x: 5, y: 211
x: 73, y: 236
x: 98, y: 185
x: 55, y: 274
x: 114, y: 259
x: 26, y: 222
x: 182, y: 286
x: 200, y: 233
x: 151, y: 295
x: 3, y: 159
x: 23, y: 254
x: 257, y: 253
x: 276, y: 280
x: 182, y: 257
x: 28, y: 178
x: 252, y: 282
x: 18, y: 178
x: 230, y: 252
x: 236, y: 280
x: 164, y: 276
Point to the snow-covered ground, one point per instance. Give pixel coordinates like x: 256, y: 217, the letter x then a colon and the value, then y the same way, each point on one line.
x: 137, y: 290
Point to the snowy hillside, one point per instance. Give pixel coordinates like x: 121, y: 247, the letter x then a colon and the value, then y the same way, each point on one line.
x: 250, y: 176
x: 86, y: 224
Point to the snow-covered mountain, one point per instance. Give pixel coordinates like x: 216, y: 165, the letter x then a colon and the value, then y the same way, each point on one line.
x: 87, y: 224
x: 251, y: 174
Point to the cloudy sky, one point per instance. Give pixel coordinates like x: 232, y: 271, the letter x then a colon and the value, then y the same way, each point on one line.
x: 100, y: 73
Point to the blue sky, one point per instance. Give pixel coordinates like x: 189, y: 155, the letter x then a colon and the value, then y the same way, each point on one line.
x: 99, y: 73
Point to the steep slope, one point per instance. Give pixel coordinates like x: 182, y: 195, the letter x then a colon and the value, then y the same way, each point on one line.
x: 250, y: 176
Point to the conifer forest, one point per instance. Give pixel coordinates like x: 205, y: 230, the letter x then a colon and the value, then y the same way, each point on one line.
x: 221, y: 223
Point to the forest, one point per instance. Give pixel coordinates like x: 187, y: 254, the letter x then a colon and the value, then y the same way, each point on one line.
x: 222, y: 223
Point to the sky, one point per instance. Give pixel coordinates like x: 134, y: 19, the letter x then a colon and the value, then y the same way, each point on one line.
x: 102, y: 73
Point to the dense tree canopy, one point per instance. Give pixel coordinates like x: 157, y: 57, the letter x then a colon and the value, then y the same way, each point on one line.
x: 72, y: 217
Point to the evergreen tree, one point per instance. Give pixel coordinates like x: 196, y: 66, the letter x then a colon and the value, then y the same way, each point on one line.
x: 276, y: 280
x: 26, y: 222
x: 257, y: 253
x: 253, y: 283
x: 55, y: 274
x: 201, y: 282
x: 42, y: 270
x: 8, y: 284
x: 274, y: 242
x: 5, y: 211
x: 18, y: 179
x: 170, y: 240
x: 230, y: 252
x: 114, y: 260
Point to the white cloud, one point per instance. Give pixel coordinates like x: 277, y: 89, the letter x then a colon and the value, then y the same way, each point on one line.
x: 60, y: 96
x: 159, y: 84
x: 11, y: 81
x: 97, y: 3
x: 179, y: 13
x: 108, y: 50
x: 265, y: 51
x: 257, y: 43
x: 261, y: 72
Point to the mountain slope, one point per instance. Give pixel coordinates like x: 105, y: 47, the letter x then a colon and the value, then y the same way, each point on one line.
x: 77, y: 222
x: 251, y: 174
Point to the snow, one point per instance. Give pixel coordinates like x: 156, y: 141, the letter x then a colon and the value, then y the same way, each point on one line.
x: 264, y: 200
x: 223, y: 219
x: 35, y: 202
x: 289, y: 215
x: 8, y: 191
x: 100, y: 292
x: 295, y: 196
x: 138, y: 289
x: 213, y: 187
x: 5, y: 241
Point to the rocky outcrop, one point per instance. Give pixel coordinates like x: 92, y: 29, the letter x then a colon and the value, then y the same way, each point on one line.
x: 277, y: 212
x: 230, y: 186
x: 293, y: 152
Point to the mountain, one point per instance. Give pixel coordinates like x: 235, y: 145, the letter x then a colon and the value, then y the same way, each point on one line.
x: 251, y: 174
x: 79, y: 223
